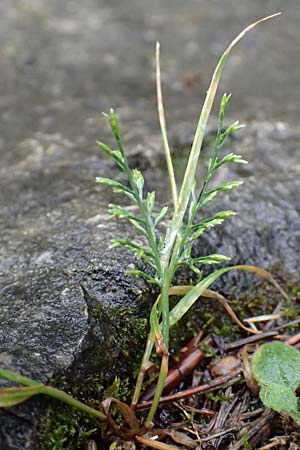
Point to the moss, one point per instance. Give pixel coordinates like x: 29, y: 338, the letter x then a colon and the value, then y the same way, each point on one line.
x: 66, y: 428
x: 128, y: 337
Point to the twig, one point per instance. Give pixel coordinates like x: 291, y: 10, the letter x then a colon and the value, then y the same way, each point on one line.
x: 155, y: 444
x: 250, y: 340
x: 250, y: 414
x: 278, y: 440
x: 258, y: 425
x: 293, y: 340
x: 223, y: 381
x: 286, y: 325
x: 269, y: 324
x: 219, y: 434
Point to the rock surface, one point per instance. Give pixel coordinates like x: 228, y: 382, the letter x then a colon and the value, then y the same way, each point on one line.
x: 66, y: 305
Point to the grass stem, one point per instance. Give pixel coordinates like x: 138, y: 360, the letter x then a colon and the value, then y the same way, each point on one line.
x: 163, y: 127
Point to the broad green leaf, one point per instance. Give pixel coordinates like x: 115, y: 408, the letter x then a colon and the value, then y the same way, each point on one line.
x: 276, y: 367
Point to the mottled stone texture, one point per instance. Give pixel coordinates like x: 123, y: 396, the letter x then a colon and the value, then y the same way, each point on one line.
x: 66, y: 304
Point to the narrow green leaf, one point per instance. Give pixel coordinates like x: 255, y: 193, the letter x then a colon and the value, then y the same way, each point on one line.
x: 214, y: 258
x: 112, y: 118
x: 150, y: 200
x: 160, y: 243
x: 225, y: 187
x: 163, y: 127
x: 123, y: 213
x: 191, y: 297
x: 139, y: 227
x: 115, y: 154
x: 194, y: 269
x: 136, y: 248
x: 117, y: 187
x: 231, y: 158
x: 217, y: 219
x: 199, y: 231
x: 207, y: 198
x: 199, y: 228
x: 233, y: 128
x: 160, y: 215
x: 144, y: 275
x: 138, y: 180
x: 16, y: 378
x: 13, y: 396
x: 191, y: 166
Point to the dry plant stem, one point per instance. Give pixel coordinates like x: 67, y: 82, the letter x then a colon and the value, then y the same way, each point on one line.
x: 250, y: 340
x: 293, y: 340
x: 163, y: 127
x: 155, y: 444
x: 266, y: 418
x: 201, y: 412
x: 287, y: 325
x: 279, y: 440
x: 223, y: 381
x: 265, y: 274
x: 182, y: 290
x: 220, y: 434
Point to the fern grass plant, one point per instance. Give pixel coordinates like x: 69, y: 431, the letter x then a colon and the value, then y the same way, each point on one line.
x: 163, y: 253
x: 167, y: 253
